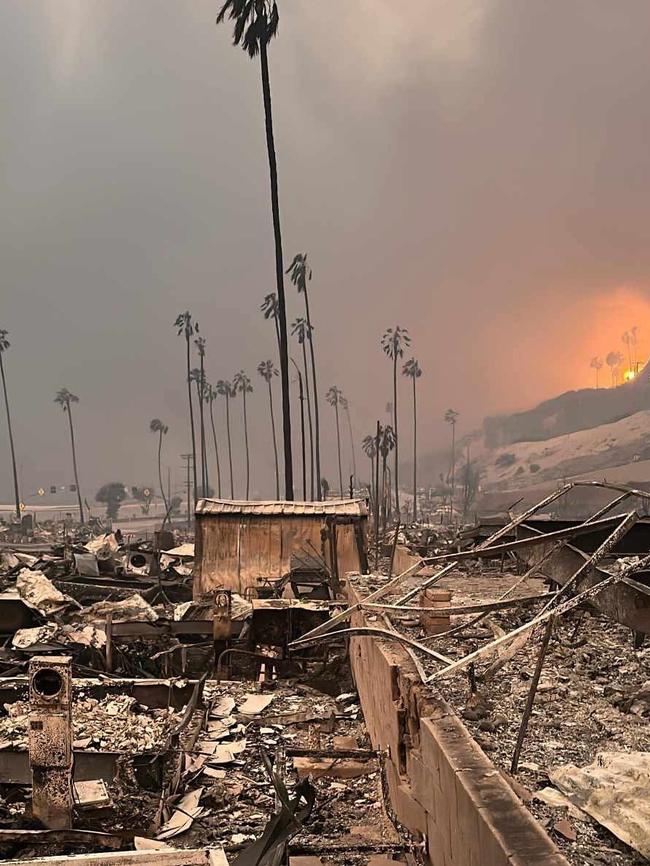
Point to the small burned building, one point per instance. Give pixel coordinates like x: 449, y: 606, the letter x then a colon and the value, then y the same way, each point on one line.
x: 244, y: 546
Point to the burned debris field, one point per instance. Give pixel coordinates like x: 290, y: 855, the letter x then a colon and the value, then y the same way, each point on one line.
x: 324, y: 433
x: 419, y: 697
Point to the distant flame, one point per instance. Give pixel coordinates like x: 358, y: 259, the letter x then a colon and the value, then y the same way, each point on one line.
x: 628, y: 375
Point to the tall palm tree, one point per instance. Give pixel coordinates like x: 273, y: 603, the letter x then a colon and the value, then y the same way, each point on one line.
x: 243, y: 384
x: 201, y: 385
x: 302, y: 331
x: 187, y: 328
x: 267, y: 371
x: 369, y: 446
x: 269, y: 308
x: 301, y: 397
x: 628, y: 339
x: 198, y: 377
x: 387, y: 442
x: 300, y: 276
x: 333, y: 397
x: 211, y: 395
x: 157, y: 426
x: 393, y: 343
x: 345, y: 405
x: 596, y: 364
x: 413, y: 371
x: 65, y: 400
x: 614, y: 360
x: 255, y: 24
x: 4, y: 345
x: 451, y: 417
x: 225, y: 389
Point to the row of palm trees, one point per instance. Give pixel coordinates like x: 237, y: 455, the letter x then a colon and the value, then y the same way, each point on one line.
x: 303, y: 330
x: 206, y: 394
x: 394, y: 342
x: 614, y: 359
x: 65, y: 399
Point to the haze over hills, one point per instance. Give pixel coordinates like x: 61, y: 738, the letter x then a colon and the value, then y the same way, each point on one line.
x: 588, y: 434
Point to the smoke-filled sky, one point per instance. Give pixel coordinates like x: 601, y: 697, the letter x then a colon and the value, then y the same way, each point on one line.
x: 474, y: 170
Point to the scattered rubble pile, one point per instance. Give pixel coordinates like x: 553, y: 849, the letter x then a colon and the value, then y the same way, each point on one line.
x: 349, y: 812
x: 593, y: 698
x: 551, y: 677
x: 221, y: 784
x: 115, y: 723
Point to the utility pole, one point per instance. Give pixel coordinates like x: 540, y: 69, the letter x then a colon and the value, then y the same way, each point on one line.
x: 188, y: 461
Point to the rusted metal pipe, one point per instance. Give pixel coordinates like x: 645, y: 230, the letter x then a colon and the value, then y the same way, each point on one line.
x: 532, y: 691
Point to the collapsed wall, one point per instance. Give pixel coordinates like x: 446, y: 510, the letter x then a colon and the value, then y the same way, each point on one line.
x: 441, y: 784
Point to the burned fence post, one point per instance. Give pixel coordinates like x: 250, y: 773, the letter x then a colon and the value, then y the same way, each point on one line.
x: 108, y: 628
x: 50, y: 740
x: 528, y: 709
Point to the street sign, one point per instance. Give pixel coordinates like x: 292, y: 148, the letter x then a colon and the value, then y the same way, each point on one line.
x: 40, y: 491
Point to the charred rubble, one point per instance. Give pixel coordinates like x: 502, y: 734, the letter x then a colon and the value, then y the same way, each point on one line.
x: 463, y: 692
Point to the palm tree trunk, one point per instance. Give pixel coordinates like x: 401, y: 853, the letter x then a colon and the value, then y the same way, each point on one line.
x: 204, y: 453
x: 201, y: 442
x: 74, y: 464
x: 160, y: 480
x: 232, y: 486
x: 216, y: 449
x: 354, y: 458
x: 248, y: 472
x: 338, y: 445
x: 396, y: 435
x: 11, y: 439
x: 279, y: 272
x: 415, y: 455
x: 377, y: 437
x: 383, y: 491
x: 275, y: 444
x: 372, y: 483
x: 311, y: 431
x: 301, y: 397
x: 189, y: 398
x: 453, y: 467
x: 315, y: 395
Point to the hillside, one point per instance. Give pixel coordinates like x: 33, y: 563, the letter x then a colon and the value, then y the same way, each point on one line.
x: 570, y: 412
x: 524, y: 464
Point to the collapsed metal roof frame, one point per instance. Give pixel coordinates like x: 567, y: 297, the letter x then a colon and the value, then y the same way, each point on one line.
x: 553, y: 607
